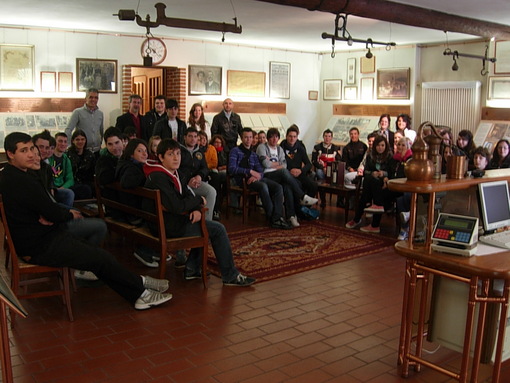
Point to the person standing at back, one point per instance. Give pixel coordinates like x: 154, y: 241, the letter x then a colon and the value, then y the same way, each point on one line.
x: 132, y: 117
x: 153, y: 116
x: 171, y: 126
x: 228, y: 124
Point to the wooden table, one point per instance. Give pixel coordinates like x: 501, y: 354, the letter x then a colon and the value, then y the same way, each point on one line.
x: 339, y: 190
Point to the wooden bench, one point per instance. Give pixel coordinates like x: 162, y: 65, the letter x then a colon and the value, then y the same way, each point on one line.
x: 142, y: 235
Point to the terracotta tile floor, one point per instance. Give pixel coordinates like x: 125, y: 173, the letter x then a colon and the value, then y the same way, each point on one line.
x: 334, y: 324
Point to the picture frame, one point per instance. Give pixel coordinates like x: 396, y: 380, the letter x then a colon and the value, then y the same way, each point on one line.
x: 499, y: 88
x: 332, y: 90
x: 367, y: 88
x: 279, y: 79
x: 502, y: 54
x: 351, y: 71
x: 245, y: 83
x: 350, y: 92
x: 204, y: 80
x: 65, y: 82
x: 367, y: 65
x: 17, y: 65
x: 48, y: 81
x: 393, y: 83
x: 96, y: 73
x: 313, y: 95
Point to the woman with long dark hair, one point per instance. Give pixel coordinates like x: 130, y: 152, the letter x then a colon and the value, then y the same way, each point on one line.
x: 197, y: 119
x: 83, y: 163
x: 501, y: 155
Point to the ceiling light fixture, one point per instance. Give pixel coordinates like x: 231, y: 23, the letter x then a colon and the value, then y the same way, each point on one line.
x: 130, y: 15
x: 484, y: 58
x: 346, y: 36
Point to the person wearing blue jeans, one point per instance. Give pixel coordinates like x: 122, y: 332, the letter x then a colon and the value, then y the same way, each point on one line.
x: 183, y: 216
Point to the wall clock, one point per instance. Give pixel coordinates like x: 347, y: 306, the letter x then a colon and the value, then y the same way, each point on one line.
x: 157, y: 50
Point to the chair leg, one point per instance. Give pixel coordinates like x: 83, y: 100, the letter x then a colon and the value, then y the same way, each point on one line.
x: 67, y: 291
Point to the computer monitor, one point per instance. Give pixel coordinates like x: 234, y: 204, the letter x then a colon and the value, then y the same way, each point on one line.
x: 494, y: 204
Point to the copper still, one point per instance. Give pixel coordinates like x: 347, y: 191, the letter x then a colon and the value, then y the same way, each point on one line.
x: 419, y: 167
x: 434, y: 140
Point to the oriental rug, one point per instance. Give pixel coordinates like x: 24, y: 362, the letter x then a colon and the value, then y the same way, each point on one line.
x: 266, y: 253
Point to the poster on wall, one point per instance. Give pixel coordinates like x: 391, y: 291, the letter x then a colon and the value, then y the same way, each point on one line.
x: 279, y: 80
x: 16, y: 67
x: 244, y: 83
x: 204, y: 79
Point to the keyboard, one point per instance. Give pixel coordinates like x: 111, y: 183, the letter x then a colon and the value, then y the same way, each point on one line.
x: 501, y: 239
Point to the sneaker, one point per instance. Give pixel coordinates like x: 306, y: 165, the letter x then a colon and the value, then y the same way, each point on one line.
x: 403, y: 235
x: 159, y: 285
x: 352, y: 224
x: 190, y: 274
x: 216, y: 216
x: 180, y: 259
x: 293, y: 221
x: 309, y: 201
x: 375, y: 209
x: 145, y: 259
x: 85, y: 275
x: 157, y: 257
x: 280, y: 223
x: 368, y: 215
x: 404, y: 216
x: 150, y: 298
x: 370, y: 229
x: 241, y: 281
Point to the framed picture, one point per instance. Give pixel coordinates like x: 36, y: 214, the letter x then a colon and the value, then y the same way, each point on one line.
x: 204, y: 79
x: 244, y: 83
x: 367, y: 88
x: 351, y: 71
x: 48, y: 81
x: 367, y: 65
x: 95, y: 73
x: 502, y: 54
x: 393, y: 83
x: 279, y: 80
x: 16, y: 67
x: 65, y: 82
x: 350, y: 92
x: 313, y: 95
x: 499, y: 88
x: 332, y: 90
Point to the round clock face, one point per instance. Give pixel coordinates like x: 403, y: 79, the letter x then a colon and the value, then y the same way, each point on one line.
x: 156, y: 48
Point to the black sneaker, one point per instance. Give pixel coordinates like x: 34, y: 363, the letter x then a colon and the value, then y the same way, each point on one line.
x: 146, y: 259
x: 216, y: 216
x: 281, y: 223
x: 180, y: 259
x: 189, y: 275
x: 241, y: 281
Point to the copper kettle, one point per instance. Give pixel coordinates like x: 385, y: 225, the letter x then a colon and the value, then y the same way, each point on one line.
x: 419, y: 167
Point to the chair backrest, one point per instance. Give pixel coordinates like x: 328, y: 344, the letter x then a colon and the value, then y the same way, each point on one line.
x: 9, y: 246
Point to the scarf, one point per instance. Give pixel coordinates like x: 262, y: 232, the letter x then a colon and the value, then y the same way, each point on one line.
x: 245, y: 162
x: 152, y: 166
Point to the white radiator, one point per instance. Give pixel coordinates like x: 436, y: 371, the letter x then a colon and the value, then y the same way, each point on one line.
x: 452, y: 103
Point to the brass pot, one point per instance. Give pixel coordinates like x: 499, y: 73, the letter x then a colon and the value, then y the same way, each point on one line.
x: 456, y: 167
x: 419, y: 167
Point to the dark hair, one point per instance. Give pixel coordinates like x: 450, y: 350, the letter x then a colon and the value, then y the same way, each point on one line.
x: 354, y: 128
x: 60, y: 134
x: 327, y: 131
x: 220, y: 137
x: 272, y: 132
x: 470, y: 147
x: 171, y: 103
x: 160, y: 97
x: 292, y: 128
x: 44, y: 135
x: 77, y: 133
x: 165, y: 145
x: 387, y: 116
x: 130, y: 148
x: 12, y: 139
x: 190, y: 130
x: 406, y: 119
x: 495, y: 155
x: 52, y: 141
x: 112, y: 131
x: 262, y: 131
x: 129, y: 131
x: 134, y: 97
x: 246, y: 130
x: 191, y: 118
x: 203, y: 134
x: 91, y: 90
x: 377, y: 140
x: 371, y: 135
x: 484, y: 152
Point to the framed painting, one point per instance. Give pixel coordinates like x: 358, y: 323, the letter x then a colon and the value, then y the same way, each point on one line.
x: 332, y: 90
x: 313, y: 95
x: 204, y: 79
x: 393, y: 83
x: 367, y: 88
x: 16, y: 67
x: 65, y: 82
x: 96, y: 73
x: 279, y: 80
x: 351, y: 71
x: 499, y: 88
x: 350, y: 92
x: 244, y: 83
x: 367, y: 65
x: 502, y: 54
x: 48, y: 81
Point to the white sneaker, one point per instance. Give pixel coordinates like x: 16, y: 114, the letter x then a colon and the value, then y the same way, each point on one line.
x: 85, y: 275
x: 150, y: 298
x: 403, y: 235
x: 159, y: 285
x: 404, y: 216
x: 293, y: 221
x: 308, y: 201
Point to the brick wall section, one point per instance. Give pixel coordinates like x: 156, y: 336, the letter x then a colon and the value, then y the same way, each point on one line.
x: 126, y: 87
x: 176, y: 88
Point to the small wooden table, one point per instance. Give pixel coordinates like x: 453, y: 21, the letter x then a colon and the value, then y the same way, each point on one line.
x: 339, y: 190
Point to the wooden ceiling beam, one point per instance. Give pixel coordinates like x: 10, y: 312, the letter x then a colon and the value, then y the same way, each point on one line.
x: 404, y: 14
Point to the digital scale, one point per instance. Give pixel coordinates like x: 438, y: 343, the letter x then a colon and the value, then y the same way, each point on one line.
x: 455, y: 234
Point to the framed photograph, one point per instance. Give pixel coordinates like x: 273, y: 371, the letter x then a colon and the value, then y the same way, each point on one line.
x: 279, y: 80
x: 350, y: 92
x: 351, y: 71
x: 48, y: 81
x: 499, y: 88
x: 393, y: 83
x: 367, y: 65
x: 65, y: 82
x: 502, y: 54
x: 313, y: 95
x: 332, y: 90
x: 95, y: 73
x: 16, y: 67
x: 367, y: 88
x: 244, y: 83
x: 204, y: 79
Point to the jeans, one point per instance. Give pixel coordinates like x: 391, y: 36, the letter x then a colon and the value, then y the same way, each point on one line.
x: 319, y: 173
x: 291, y: 189
x: 271, y: 195
x: 64, y: 196
x: 207, y: 191
x: 221, y: 246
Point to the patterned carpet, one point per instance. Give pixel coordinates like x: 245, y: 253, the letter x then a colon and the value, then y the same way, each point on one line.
x: 266, y: 253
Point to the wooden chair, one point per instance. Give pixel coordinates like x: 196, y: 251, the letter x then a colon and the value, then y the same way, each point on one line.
x: 248, y: 198
x: 24, y: 274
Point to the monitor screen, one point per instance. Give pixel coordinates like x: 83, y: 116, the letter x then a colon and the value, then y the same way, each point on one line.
x: 494, y: 204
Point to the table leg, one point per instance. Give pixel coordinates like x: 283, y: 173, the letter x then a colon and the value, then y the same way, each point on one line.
x: 430, y: 221
x: 482, y: 312
x: 4, y: 339
x: 469, y: 329
x: 501, y: 333
x: 403, y: 320
x: 409, y: 317
x: 421, y: 320
x: 412, y: 219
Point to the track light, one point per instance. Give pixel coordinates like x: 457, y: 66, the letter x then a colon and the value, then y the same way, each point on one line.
x: 457, y: 54
x: 455, y: 67
x: 369, y: 54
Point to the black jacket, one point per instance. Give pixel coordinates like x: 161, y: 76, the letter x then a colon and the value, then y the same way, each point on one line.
x: 151, y: 117
x: 230, y: 130
x: 162, y: 129
x: 193, y: 164
x: 353, y: 153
